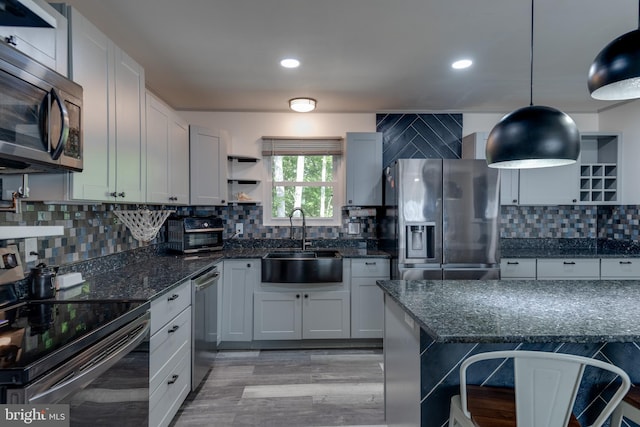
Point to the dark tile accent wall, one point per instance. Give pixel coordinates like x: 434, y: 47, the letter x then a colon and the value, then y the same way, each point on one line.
x: 420, y: 136
x: 441, y: 362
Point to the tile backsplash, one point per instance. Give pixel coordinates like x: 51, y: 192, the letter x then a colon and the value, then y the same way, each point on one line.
x: 92, y: 231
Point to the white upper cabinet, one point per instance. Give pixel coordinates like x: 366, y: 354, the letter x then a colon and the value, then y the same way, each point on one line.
x: 114, y: 117
x: 46, y: 45
x: 167, y: 154
x: 364, y: 169
x: 473, y: 147
x: 549, y: 186
x: 208, y: 166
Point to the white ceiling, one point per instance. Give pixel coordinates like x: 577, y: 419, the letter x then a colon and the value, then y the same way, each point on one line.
x: 364, y: 55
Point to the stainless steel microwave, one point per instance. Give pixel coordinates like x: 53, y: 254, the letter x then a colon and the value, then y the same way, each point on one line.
x: 40, y: 117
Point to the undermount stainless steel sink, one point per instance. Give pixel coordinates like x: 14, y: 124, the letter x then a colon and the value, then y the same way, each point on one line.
x: 319, y: 266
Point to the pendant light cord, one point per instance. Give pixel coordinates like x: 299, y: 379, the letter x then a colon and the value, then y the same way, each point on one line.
x: 531, y: 60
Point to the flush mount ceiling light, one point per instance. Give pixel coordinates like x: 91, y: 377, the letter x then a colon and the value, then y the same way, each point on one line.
x: 302, y: 105
x: 462, y: 64
x: 290, y: 63
x: 533, y: 136
x: 615, y: 73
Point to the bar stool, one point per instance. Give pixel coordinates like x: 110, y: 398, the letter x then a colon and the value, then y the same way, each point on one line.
x: 546, y: 385
x: 629, y: 408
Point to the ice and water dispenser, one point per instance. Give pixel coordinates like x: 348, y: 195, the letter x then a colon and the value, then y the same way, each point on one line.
x: 420, y: 240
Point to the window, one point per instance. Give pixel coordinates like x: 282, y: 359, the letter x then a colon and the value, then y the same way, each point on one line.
x: 308, y: 179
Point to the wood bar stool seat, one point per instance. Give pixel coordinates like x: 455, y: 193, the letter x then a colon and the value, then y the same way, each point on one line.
x: 629, y: 408
x: 496, y: 407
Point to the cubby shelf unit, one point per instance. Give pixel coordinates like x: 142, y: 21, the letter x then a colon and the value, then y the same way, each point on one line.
x: 242, y: 180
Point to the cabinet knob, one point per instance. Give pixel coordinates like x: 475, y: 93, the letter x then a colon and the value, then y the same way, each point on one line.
x: 248, y: 265
x: 575, y: 200
x: 297, y: 295
x: 122, y: 194
x: 173, y: 329
x: 223, y: 201
x: 173, y: 297
x: 350, y: 201
x: 11, y: 40
x: 173, y: 379
x: 113, y: 194
x: 306, y: 295
x: 515, y: 201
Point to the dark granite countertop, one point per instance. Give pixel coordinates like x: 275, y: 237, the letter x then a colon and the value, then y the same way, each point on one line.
x: 461, y: 311
x: 155, y: 275
x: 144, y: 280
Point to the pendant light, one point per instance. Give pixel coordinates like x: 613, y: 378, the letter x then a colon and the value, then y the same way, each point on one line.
x: 533, y: 136
x: 615, y: 73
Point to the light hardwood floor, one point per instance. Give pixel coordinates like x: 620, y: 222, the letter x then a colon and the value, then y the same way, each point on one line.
x: 289, y: 389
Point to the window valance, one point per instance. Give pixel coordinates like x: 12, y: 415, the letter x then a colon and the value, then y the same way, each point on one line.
x: 302, y: 146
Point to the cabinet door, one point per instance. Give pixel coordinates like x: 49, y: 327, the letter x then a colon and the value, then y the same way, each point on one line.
x: 179, y: 161
x: 240, y: 280
x: 277, y: 316
x: 92, y: 60
x: 509, y: 186
x: 620, y: 269
x: 550, y: 186
x: 46, y: 45
x: 364, y: 168
x: 518, y: 268
x: 568, y: 269
x: 131, y: 166
x: 158, y: 132
x: 208, y: 167
x: 367, y: 310
x: 325, y: 315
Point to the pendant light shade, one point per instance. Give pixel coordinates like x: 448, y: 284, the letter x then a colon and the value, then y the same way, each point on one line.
x: 615, y: 73
x: 533, y: 136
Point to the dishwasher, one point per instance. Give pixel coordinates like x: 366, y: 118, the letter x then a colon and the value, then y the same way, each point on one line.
x: 204, y: 312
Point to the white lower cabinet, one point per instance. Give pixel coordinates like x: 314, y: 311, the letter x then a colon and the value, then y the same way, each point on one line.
x: 240, y: 279
x: 367, y: 307
x: 568, y: 269
x: 301, y: 314
x: 518, y: 268
x: 169, y: 354
x: 620, y: 268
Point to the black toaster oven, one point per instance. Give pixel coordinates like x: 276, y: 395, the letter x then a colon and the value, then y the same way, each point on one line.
x: 193, y: 234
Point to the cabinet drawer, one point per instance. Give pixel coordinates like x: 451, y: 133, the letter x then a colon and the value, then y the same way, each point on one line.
x: 165, y: 401
x: 167, y: 341
x: 620, y: 268
x: 518, y: 268
x: 370, y: 267
x: 169, y: 305
x: 568, y: 269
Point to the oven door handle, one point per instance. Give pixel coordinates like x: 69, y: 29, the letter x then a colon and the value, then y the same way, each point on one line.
x: 206, y: 279
x: 96, y: 366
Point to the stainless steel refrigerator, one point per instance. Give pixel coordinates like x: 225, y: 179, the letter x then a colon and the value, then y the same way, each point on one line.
x: 441, y: 219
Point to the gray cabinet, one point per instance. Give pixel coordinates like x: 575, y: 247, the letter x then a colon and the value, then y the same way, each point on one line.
x: 167, y: 154
x: 46, y: 45
x: 240, y: 279
x: 364, y: 169
x: 518, y: 268
x: 620, y: 268
x: 114, y: 131
x: 549, y: 186
x: 568, y: 269
x: 473, y: 147
x: 169, y: 354
x: 208, y: 166
x: 301, y: 314
x: 367, y: 310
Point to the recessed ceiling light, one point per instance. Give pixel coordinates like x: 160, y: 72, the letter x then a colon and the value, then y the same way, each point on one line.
x: 290, y: 63
x: 462, y: 64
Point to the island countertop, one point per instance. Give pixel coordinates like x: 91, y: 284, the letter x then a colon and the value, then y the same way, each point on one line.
x: 500, y: 311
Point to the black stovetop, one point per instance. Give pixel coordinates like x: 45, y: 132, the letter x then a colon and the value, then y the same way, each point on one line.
x: 39, y: 335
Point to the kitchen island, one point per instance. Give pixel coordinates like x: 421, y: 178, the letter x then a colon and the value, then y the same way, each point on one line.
x: 430, y: 326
